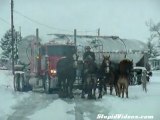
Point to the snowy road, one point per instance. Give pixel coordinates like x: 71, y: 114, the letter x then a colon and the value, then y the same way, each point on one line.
x: 30, y: 105
x: 40, y: 106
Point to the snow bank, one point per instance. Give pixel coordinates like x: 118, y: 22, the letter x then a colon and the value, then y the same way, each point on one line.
x: 58, y: 110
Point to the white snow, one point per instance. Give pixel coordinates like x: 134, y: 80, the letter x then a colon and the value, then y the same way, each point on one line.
x: 139, y: 103
x: 59, y: 110
x: 8, y: 98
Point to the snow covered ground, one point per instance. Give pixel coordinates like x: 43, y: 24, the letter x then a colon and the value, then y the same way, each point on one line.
x: 8, y: 98
x: 40, y: 106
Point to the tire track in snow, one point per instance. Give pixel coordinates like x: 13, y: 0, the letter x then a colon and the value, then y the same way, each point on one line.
x: 87, y: 109
x: 28, y: 106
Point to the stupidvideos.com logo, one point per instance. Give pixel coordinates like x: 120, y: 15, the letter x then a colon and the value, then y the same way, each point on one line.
x: 124, y: 116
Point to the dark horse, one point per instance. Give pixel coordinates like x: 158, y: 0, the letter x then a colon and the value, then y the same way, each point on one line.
x: 89, y: 78
x: 106, y: 76
x: 66, y: 73
x: 125, y: 69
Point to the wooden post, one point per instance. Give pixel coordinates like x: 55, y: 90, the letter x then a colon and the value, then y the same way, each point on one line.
x: 98, y: 32
x: 16, y: 49
x: 37, y: 34
x: 75, y: 35
x: 12, y: 34
x: 38, y: 58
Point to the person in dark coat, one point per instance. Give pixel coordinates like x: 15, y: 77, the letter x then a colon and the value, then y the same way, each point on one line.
x: 88, y: 54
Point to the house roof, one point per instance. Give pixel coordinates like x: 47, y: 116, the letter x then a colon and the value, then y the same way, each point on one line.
x: 155, y: 58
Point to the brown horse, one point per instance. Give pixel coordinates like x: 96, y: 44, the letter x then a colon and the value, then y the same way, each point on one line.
x: 106, y: 76
x: 125, y: 67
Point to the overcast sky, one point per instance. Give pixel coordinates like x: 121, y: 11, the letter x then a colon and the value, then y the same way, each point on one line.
x: 124, y: 18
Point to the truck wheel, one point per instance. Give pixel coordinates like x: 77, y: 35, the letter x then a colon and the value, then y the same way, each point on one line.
x: 21, y: 83
x: 47, y: 81
x: 16, y: 82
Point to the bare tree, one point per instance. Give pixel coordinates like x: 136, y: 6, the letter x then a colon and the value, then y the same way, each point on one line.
x: 154, y: 29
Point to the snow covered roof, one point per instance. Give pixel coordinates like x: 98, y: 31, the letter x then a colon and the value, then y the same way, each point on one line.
x: 142, y: 68
x: 155, y: 58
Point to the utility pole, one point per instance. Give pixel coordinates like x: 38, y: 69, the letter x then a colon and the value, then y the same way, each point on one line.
x: 16, y: 49
x: 38, y: 65
x: 20, y: 33
x: 98, y: 32
x: 12, y: 33
x: 75, y: 37
x: 37, y: 34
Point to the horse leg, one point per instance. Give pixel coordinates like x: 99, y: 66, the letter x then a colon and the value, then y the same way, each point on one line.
x: 61, y: 93
x: 112, y: 81
x: 111, y: 88
x: 71, y: 88
x: 100, y: 88
x: 89, y: 84
x: 67, y: 87
x: 123, y: 88
x: 104, y: 86
x: 60, y: 85
x: 59, y: 82
x: 116, y: 89
x: 119, y: 89
x: 65, y: 90
x: 83, y: 93
x: 94, y: 88
x: 127, y: 92
x: 83, y: 87
x: 126, y: 87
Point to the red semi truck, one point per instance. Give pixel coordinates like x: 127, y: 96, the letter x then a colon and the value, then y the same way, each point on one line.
x: 40, y: 70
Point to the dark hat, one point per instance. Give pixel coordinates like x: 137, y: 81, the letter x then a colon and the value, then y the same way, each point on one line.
x: 87, y: 47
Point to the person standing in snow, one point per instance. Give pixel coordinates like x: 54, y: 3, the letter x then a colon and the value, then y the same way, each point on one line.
x: 144, y: 80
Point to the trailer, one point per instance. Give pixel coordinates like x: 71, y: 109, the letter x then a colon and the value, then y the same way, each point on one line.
x: 114, y: 46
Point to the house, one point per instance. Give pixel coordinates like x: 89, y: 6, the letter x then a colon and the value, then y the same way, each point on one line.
x: 155, y: 63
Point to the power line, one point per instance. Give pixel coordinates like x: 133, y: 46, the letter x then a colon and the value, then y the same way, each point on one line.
x: 5, y: 21
x: 88, y: 31
x: 50, y: 27
x: 37, y: 22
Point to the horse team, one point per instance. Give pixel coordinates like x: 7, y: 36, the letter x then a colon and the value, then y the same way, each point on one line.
x: 108, y: 74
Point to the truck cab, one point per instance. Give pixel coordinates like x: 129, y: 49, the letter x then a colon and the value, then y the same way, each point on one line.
x: 49, y: 55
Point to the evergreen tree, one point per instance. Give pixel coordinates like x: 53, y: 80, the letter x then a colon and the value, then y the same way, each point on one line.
x: 6, y: 44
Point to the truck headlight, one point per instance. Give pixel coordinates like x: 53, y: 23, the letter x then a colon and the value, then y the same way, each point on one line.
x: 53, y: 71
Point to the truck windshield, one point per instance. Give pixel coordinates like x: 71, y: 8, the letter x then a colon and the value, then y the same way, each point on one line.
x: 58, y: 50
